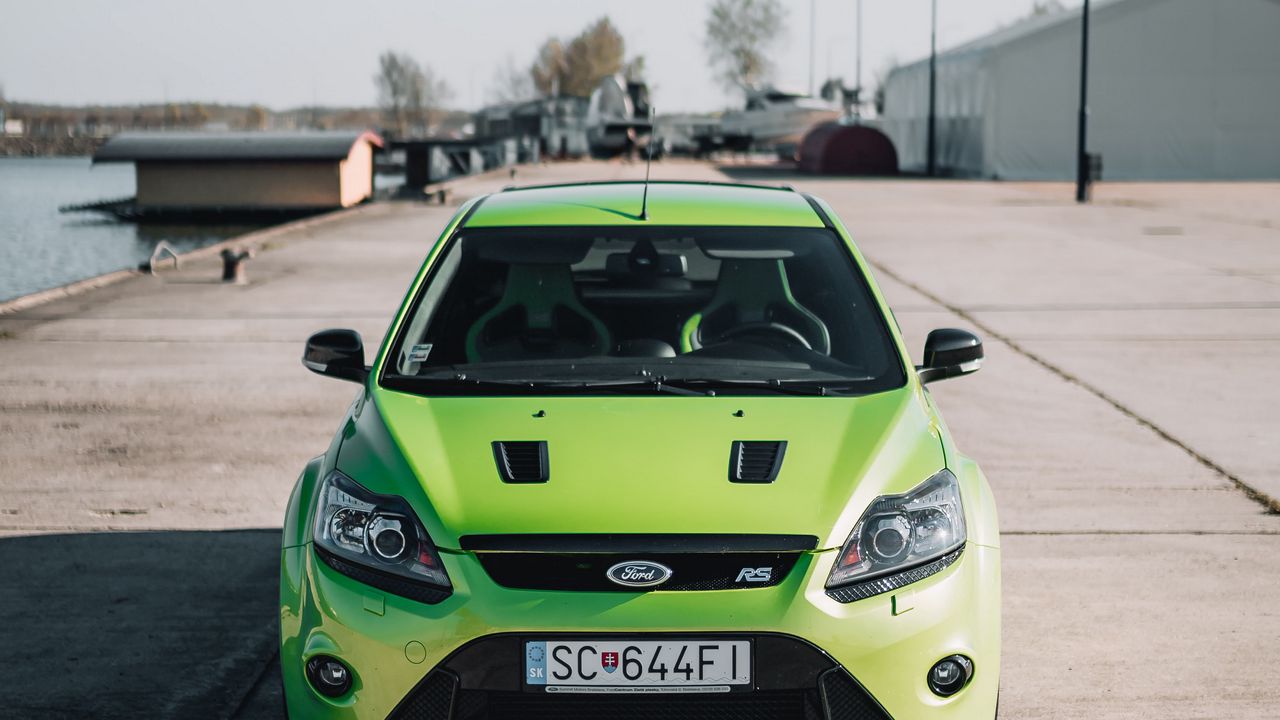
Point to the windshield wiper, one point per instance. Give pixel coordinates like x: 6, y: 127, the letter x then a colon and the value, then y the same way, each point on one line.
x: 781, y: 387
x: 692, y: 387
x: 706, y: 386
x: 654, y: 383
x: 657, y: 384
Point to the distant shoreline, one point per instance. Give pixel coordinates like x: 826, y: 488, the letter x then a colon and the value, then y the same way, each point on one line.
x: 49, y: 146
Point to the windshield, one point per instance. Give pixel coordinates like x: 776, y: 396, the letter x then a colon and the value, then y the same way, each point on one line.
x: 644, y: 310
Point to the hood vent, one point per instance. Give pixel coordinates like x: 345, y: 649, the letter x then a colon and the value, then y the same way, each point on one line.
x: 522, y: 461
x: 756, y: 461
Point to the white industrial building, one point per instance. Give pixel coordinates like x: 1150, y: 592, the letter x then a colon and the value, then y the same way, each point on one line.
x: 1178, y: 89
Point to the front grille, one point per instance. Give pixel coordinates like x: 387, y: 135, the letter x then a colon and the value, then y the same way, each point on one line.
x: 793, y: 681
x: 581, y: 562
x: 753, y: 461
x: 587, y: 572
x: 522, y: 461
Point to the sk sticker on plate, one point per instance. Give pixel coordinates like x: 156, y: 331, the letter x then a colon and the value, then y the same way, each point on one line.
x: 420, y: 353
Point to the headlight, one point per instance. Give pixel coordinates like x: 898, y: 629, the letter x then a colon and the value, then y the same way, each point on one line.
x: 378, y: 540
x: 901, y: 539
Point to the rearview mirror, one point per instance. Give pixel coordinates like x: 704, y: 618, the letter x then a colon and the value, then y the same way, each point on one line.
x: 950, y: 353
x: 336, y: 353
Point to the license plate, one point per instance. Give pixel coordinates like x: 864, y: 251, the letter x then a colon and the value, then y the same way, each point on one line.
x: 638, y: 666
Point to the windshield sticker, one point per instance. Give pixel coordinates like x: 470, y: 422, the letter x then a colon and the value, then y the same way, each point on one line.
x: 420, y: 353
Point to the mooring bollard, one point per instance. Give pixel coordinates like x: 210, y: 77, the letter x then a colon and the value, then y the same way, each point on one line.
x: 233, y: 270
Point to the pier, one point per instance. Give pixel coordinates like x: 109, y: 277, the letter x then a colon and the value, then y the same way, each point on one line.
x: 153, y: 428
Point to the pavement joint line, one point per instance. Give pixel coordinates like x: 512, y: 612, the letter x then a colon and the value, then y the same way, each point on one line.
x: 173, y: 317
x: 1143, y: 533
x: 164, y: 340
x: 1270, y: 504
x: 1175, y: 210
x: 1088, y: 307
x: 261, y: 675
x: 81, y: 529
x: 1147, y: 338
x: 203, y: 695
x: 1103, y: 307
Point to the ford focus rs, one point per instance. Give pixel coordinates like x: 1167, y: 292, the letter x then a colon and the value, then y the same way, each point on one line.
x: 614, y: 461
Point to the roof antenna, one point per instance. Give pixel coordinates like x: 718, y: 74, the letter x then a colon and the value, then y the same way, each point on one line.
x: 644, y: 201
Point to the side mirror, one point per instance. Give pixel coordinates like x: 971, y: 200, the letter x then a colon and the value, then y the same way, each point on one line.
x: 336, y: 353
x: 950, y: 353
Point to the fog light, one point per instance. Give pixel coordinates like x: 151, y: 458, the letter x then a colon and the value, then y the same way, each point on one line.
x: 950, y: 675
x: 328, y: 676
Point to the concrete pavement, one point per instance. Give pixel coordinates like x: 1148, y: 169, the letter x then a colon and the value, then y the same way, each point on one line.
x: 1123, y: 418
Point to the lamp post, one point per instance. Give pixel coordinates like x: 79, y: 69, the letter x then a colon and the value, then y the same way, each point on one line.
x: 1082, y: 153
x: 813, y: 48
x: 931, y: 163
x: 857, y: 85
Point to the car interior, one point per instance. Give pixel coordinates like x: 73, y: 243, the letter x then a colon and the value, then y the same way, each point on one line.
x: 752, y: 294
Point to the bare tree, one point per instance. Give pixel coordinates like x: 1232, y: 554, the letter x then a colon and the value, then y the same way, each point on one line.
x: 409, y: 95
x: 394, y: 81
x: 739, y: 35
x: 428, y: 93
x: 510, y: 84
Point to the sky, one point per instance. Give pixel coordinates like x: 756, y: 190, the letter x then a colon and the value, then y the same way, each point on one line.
x: 290, y: 53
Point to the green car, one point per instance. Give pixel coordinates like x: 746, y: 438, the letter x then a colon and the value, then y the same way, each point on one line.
x: 642, y: 450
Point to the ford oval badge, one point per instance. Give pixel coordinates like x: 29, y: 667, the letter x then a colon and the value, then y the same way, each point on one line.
x: 639, y: 573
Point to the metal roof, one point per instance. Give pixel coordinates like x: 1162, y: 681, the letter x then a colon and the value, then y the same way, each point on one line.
x: 220, y: 146
x: 1025, y: 28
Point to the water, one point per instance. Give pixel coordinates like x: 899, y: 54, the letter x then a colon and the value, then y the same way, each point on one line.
x: 41, y: 248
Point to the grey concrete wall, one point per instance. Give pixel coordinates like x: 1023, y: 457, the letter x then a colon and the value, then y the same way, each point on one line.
x: 1179, y: 90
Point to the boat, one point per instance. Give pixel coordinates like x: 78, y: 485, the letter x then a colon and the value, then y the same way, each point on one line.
x: 618, y: 117
x: 775, y: 119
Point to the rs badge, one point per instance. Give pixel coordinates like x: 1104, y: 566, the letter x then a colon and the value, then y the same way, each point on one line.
x: 755, y: 575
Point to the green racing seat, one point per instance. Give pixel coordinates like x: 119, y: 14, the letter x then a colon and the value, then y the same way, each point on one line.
x: 754, y: 294
x: 538, y: 317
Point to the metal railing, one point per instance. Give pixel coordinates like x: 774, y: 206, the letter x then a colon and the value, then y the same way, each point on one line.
x: 163, y: 247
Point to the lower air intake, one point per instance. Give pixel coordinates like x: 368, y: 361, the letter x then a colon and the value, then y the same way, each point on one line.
x: 844, y: 699
x: 780, y: 705
x: 431, y: 700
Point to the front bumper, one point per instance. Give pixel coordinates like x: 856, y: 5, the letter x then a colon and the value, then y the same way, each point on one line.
x: 405, y: 655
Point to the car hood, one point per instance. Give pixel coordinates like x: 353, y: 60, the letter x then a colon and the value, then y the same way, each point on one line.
x: 624, y: 464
